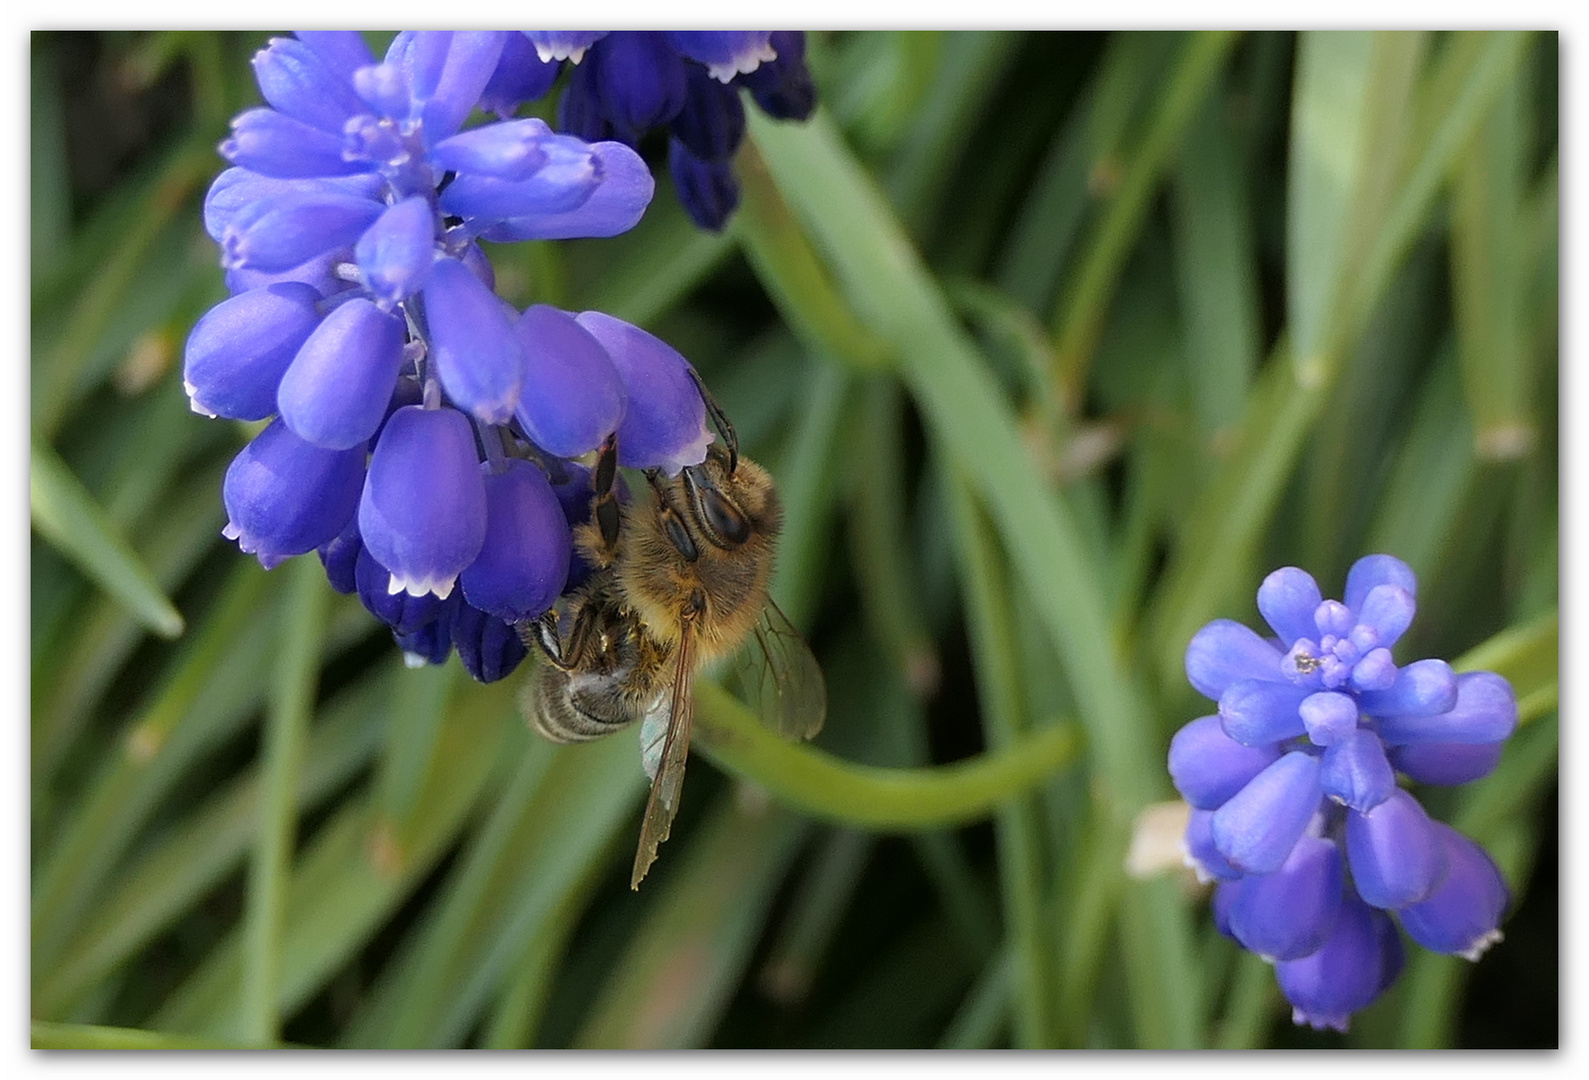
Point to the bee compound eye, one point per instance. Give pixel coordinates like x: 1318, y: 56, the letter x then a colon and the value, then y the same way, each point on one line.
x: 723, y: 518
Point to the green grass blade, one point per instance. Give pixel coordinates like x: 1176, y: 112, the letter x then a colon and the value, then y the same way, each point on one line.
x: 1488, y: 271
x: 1081, y: 166
x: 1091, y: 897
x: 900, y: 1000
x: 793, y: 276
x: 286, y: 731
x: 983, y: 1014
x: 549, y: 833
x: 49, y: 186
x: 995, y: 653
x: 1253, y: 1000
x: 955, y: 100
x: 891, y: 291
x: 66, y: 515
x: 879, y: 551
x: 61, y: 370
x: 70, y: 677
x: 1432, y: 474
x: 1453, y: 100
x: 417, y: 712
x: 515, y: 1019
x: 815, y: 911
x: 1216, y: 270
x: 1085, y: 302
x: 165, y: 881
x: 214, y: 684
x: 47, y: 1035
x: 669, y: 989
x: 343, y: 888
x: 808, y: 478
x: 1329, y: 145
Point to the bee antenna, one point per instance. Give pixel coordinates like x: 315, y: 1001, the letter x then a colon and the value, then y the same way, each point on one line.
x: 719, y: 420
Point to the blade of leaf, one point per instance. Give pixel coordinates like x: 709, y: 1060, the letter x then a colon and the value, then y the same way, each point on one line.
x: 547, y: 836
x: 211, y: 689
x: 1216, y: 271
x: 892, y: 292
x: 342, y: 890
x: 46, y: 1035
x: 815, y: 911
x: 165, y: 881
x: 286, y: 730
x: 66, y: 515
x: 1020, y: 842
x: 981, y: 1018
x: 1488, y: 276
x: 69, y: 681
x: 675, y: 979
x: 1085, y: 302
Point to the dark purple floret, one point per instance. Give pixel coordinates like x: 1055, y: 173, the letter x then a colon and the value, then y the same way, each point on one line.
x: 405, y: 614
x: 708, y: 189
x: 627, y: 83
x: 783, y: 87
x: 489, y: 648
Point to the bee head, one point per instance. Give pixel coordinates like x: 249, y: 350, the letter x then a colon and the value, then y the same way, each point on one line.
x: 732, y: 501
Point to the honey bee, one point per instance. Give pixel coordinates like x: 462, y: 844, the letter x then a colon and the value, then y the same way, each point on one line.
x: 676, y: 584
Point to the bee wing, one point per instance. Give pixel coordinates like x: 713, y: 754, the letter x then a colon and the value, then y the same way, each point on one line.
x: 780, y: 679
x: 668, y: 780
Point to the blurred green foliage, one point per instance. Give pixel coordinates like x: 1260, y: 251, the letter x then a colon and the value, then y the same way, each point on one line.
x: 1056, y: 343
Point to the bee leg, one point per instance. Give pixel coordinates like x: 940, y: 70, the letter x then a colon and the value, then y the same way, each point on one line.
x: 543, y: 631
x: 605, y: 500
x: 672, y: 524
x: 570, y: 653
x: 719, y: 420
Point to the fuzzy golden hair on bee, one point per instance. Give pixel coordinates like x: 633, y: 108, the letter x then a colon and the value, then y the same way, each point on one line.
x: 679, y: 579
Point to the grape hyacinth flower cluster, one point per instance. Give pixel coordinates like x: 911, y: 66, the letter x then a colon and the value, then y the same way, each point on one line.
x: 421, y: 430
x: 625, y: 83
x: 1296, y: 811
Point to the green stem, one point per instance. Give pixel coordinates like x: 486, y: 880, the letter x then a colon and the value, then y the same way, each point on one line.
x: 865, y: 795
x: 286, y: 731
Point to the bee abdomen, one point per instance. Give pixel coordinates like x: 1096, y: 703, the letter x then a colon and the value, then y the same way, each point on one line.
x: 568, y: 708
